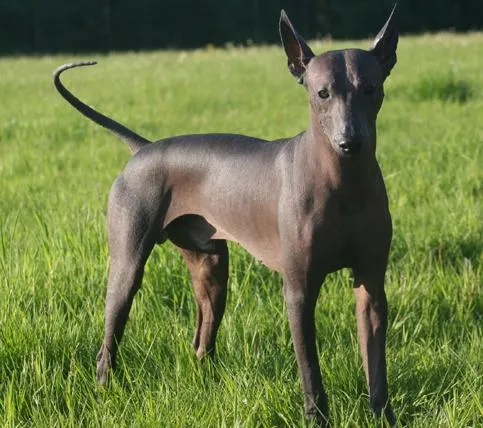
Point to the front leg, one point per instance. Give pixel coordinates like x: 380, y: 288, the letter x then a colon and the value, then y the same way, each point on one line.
x: 371, y: 314
x: 300, y: 298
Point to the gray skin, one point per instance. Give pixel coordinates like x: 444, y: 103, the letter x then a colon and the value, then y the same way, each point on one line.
x: 305, y: 206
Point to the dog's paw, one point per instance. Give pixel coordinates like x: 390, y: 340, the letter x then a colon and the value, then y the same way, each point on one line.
x: 103, y: 365
x: 317, y: 409
x: 390, y: 417
x: 386, y: 412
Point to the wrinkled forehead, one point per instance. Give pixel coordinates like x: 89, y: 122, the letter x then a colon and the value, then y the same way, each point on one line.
x: 354, y: 66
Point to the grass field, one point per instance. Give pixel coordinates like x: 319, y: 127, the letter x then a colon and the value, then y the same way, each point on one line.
x: 55, y: 173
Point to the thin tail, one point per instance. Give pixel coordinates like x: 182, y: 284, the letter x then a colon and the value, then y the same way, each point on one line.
x: 133, y: 140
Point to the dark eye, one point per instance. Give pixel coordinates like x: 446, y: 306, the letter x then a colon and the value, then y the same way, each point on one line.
x: 369, y: 89
x: 324, y: 93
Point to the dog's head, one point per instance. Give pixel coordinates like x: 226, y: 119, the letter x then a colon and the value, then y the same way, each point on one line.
x: 345, y: 86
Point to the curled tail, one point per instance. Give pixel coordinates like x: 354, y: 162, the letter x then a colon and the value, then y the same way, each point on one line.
x: 133, y: 140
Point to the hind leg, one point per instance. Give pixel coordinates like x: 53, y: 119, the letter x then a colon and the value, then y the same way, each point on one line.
x: 130, y: 243
x: 209, y: 273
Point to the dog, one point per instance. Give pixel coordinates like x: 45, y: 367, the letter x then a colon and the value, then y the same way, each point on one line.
x: 305, y: 206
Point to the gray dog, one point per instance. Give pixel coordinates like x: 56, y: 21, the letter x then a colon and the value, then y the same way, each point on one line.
x: 305, y: 206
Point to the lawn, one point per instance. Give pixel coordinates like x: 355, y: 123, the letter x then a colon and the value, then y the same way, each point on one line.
x: 56, y: 169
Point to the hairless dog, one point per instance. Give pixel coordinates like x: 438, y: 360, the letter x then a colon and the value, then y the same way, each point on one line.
x: 305, y: 206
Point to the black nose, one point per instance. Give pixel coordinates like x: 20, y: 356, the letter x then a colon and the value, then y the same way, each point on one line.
x: 350, y: 147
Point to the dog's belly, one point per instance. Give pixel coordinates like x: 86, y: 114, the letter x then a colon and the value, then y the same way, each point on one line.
x: 265, y: 248
x: 198, y: 230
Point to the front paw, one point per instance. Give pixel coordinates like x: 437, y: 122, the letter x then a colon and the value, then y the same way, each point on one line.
x: 317, y: 410
x: 386, y: 411
x: 390, y: 417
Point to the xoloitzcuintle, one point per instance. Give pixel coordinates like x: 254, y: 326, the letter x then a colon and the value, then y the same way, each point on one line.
x: 305, y: 206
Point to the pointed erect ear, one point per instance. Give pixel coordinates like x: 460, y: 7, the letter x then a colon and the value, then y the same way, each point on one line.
x: 298, y: 52
x: 385, y: 44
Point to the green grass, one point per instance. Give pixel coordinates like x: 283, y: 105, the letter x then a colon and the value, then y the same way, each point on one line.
x: 55, y: 172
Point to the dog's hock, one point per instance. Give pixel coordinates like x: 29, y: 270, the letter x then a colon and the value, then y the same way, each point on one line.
x: 385, y: 43
x: 298, y: 52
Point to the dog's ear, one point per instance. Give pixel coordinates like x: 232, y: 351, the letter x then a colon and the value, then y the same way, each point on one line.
x: 385, y: 44
x: 298, y: 52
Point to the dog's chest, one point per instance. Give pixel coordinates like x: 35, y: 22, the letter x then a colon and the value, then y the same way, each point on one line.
x: 337, y: 228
